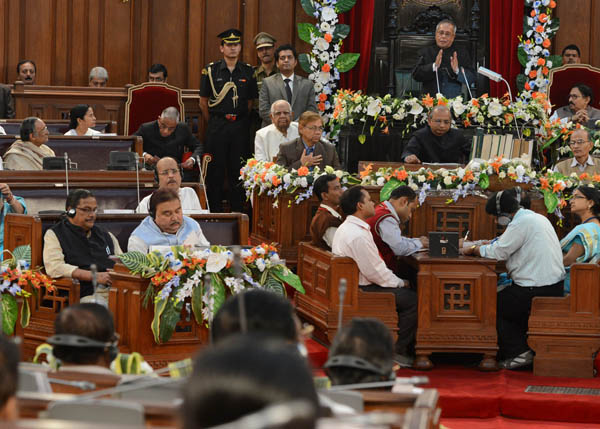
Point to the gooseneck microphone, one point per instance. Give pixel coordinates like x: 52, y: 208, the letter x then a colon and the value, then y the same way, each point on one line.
x: 342, y: 287
x: 201, y: 180
x: 67, y: 171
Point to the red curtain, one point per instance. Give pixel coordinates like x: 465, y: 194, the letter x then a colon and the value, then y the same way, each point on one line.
x: 506, y: 23
x: 360, y: 20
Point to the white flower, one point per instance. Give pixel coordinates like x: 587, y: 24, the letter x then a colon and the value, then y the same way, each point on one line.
x: 443, y: 172
x: 321, y: 44
x: 460, y: 173
x: 511, y: 170
x: 374, y: 107
x: 287, y: 179
x: 339, y: 174
x: 475, y: 166
x: 520, y: 171
x: 236, y: 285
x: 416, y: 109
x: 413, y: 186
x: 458, y: 107
x: 328, y: 14
x: 260, y: 250
x: 447, y: 180
x: 303, y: 182
x: 502, y: 174
x: 421, y: 178
x: 324, y: 56
x: 318, y: 87
x: 260, y: 264
x: 569, y: 184
x: 380, y: 181
x: 399, y: 115
x: 216, y: 262
x: 325, y: 27
x: 323, y: 77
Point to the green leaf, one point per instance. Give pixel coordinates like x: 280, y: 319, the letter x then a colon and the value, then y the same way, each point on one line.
x: 169, y: 318
x: 274, y: 285
x: 149, y: 295
x: 484, y: 181
x: 344, y: 5
x: 25, y: 313
x: 554, y: 26
x: 305, y: 30
x: 341, y: 31
x: 282, y: 273
x: 218, y: 291
x: 304, y: 61
x: 197, y: 303
x: 345, y: 62
x: 10, y: 313
x: 362, y: 138
x: 136, y: 262
x: 550, y: 141
x: 159, y: 307
x: 556, y: 60
x: 22, y: 253
x: 372, y: 128
x: 387, y: 189
x: 309, y: 7
x: 523, y: 58
x: 521, y: 80
x: 550, y: 200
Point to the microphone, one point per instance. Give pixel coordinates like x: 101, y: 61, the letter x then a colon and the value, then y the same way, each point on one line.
x: 466, y: 81
x: 81, y: 385
x: 67, y: 171
x: 201, y: 180
x: 137, y: 176
x: 342, y: 287
x: 437, y: 78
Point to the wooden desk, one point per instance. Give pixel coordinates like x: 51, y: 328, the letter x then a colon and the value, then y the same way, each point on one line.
x: 457, y: 308
x: 76, y: 176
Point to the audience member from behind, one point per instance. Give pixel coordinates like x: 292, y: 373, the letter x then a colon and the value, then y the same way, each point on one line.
x: 582, y: 162
x: 166, y: 225
x: 362, y: 352
x: 534, y: 261
x: 248, y: 373
x: 437, y: 141
x: 9, y: 374
x: 98, y: 77
x: 76, y: 242
x: 169, y: 177
x: 571, y: 55
x: 580, y: 108
x: 582, y: 244
x: 282, y: 130
x: 28, y: 152
x: 98, y: 347
x: 10, y: 204
x: 26, y: 70
x: 7, y: 108
x: 326, y: 221
x: 82, y: 121
x: 157, y: 73
x: 354, y: 239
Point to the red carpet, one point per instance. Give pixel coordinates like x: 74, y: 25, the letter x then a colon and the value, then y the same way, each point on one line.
x: 502, y: 423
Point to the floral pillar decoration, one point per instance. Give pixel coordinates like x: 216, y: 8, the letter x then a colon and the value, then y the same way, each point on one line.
x: 324, y: 63
x: 534, y: 48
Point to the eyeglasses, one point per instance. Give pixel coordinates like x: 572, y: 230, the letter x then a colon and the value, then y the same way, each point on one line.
x: 445, y: 33
x: 88, y: 210
x: 441, y: 121
x: 574, y: 96
x: 167, y: 172
x: 579, y: 196
x: 282, y: 113
x: 313, y: 129
x: 577, y: 142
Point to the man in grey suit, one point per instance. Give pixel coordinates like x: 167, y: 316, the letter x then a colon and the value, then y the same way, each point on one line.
x: 308, y: 150
x: 286, y: 85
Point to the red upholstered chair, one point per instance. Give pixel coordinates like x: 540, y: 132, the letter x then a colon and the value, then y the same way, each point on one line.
x: 563, y: 78
x: 146, y: 101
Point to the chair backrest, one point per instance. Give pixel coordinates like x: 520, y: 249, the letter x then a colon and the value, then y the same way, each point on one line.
x: 56, y: 127
x: 98, y: 411
x: 562, y: 79
x: 145, y: 102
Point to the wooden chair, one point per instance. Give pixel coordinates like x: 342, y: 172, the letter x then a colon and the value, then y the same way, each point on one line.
x: 564, y: 331
x: 145, y: 103
x: 562, y: 79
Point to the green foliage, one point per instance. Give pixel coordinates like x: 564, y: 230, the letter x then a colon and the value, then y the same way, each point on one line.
x: 340, y: 32
x: 169, y: 318
x: 387, y: 189
x: 274, y: 285
x: 484, y: 181
x: 137, y: 263
x: 197, y: 304
x: 159, y: 307
x: 344, y: 5
x: 345, y: 62
x: 554, y: 25
x: 218, y: 291
x: 304, y: 61
x: 308, y: 6
x: 305, y: 30
x: 556, y: 60
x: 25, y: 313
x: 284, y: 274
x: 149, y: 295
x: 521, y: 80
x: 9, y: 313
x: 22, y: 253
x: 362, y: 139
x: 550, y: 200
x: 523, y: 58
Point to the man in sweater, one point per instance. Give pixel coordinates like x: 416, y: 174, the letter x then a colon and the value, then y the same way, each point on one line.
x: 328, y: 190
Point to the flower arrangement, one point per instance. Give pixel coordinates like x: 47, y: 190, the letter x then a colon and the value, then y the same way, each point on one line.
x: 16, y: 275
x: 356, y: 108
x: 205, y: 277
x: 261, y: 176
x: 534, y: 45
x: 324, y: 63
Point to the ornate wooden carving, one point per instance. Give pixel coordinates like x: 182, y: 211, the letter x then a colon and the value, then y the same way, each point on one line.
x: 426, y: 20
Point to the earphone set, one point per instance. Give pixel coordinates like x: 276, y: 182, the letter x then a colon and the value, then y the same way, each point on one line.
x: 71, y: 212
x: 349, y: 361
x: 71, y: 340
x: 505, y: 218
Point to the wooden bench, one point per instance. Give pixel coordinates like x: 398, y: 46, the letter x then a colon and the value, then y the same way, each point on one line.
x: 56, y: 127
x: 564, y: 331
x: 320, y: 272
x: 89, y: 152
x: 76, y: 176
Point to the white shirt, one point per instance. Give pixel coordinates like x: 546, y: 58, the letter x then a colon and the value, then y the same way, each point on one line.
x: 89, y: 132
x: 353, y: 239
x: 390, y: 233
x: 330, y: 232
x: 187, y: 196
x: 269, y: 138
x: 531, y: 250
x: 291, y: 78
x: 2, y: 131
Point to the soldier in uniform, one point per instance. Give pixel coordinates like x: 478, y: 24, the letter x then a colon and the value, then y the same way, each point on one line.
x: 227, y: 90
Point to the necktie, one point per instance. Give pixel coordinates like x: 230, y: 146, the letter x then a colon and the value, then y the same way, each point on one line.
x: 288, y: 90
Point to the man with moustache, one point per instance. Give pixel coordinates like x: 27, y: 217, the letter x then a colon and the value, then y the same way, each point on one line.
x: 265, y: 50
x: 166, y: 225
x: 581, y: 145
x: 579, y: 109
x: 326, y: 221
x: 281, y: 131
x: 571, y: 55
x: 450, y: 62
x: 26, y: 71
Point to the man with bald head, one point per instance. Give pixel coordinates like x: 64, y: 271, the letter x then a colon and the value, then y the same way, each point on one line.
x: 437, y: 141
x: 281, y: 130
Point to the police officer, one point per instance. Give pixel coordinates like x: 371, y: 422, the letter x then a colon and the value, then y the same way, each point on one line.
x: 227, y: 91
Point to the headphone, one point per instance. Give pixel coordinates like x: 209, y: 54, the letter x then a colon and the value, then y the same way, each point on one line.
x: 71, y: 213
x: 505, y: 218
x: 71, y: 340
x: 349, y: 361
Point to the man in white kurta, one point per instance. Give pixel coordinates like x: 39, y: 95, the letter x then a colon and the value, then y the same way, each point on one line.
x: 281, y: 130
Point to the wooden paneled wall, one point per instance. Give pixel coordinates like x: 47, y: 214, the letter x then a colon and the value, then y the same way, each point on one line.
x: 579, y: 24
x: 66, y: 38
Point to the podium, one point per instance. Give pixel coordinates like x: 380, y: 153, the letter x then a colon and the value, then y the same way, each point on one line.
x: 132, y: 322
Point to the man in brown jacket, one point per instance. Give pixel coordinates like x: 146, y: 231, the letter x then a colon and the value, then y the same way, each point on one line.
x: 328, y: 190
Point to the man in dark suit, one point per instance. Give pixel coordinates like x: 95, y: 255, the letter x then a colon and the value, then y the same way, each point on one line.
x: 286, y: 85
x: 7, y: 110
x: 308, y: 150
x: 442, y: 67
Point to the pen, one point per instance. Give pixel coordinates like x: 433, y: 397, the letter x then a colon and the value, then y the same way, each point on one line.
x: 466, y: 235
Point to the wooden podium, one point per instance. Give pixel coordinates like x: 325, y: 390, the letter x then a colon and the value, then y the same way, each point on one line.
x: 457, y: 308
x: 132, y: 322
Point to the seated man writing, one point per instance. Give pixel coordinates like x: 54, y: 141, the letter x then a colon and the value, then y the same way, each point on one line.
x: 75, y: 243
x: 353, y: 239
x: 28, y: 152
x: 169, y: 177
x: 582, y: 162
x: 579, y: 108
x: 166, y: 225
x: 328, y: 190
x: 437, y: 141
x: 308, y: 150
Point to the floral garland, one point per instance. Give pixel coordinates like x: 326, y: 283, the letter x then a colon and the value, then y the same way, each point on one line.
x: 15, y: 275
x: 534, y: 46
x: 324, y: 63
x: 180, y: 274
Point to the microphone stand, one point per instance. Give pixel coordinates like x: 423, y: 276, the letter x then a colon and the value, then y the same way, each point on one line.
x: 137, y: 176
x: 342, y: 287
x: 467, y: 81
x: 94, y: 270
x: 437, y: 79
x: 201, y: 180
x: 67, y: 171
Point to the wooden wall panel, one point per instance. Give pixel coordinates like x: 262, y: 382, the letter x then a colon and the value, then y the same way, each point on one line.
x: 579, y: 24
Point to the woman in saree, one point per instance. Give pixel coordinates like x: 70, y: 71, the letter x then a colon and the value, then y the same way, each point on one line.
x: 582, y: 244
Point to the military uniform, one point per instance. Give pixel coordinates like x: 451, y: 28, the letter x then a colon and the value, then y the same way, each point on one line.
x: 228, y: 127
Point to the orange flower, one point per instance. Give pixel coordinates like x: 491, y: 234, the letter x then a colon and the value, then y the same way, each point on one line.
x: 468, y: 176
x: 475, y: 102
x: 430, y: 175
x: 508, y: 117
x: 558, y: 187
x: 322, y: 97
x: 328, y: 37
x: 527, y: 86
x: 252, y: 163
x: 484, y: 96
x: 545, y: 70
x: 541, y: 62
x: 326, y: 68
x: 543, y: 17
x: 497, y: 164
x: 442, y: 102
x: 539, y: 29
x: 428, y: 101
x: 552, y: 4
x: 532, y: 13
x: 544, y: 182
x: 275, y: 180
x: 532, y: 74
x: 303, y: 171
x: 269, y: 164
x: 584, y: 176
x: 366, y: 171
x: 562, y: 203
x: 385, y: 131
x: 321, y: 107
x: 596, y: 177
x: 400, y: 174
x: 546, y: 43
x: 466, y: 123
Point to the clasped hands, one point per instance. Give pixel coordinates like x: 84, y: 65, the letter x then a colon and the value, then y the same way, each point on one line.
x: 453, y: 61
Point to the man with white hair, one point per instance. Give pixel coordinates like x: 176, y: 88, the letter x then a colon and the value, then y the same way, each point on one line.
x: 168, y: 137
x: 98, y: 77
x: 282, y: 130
